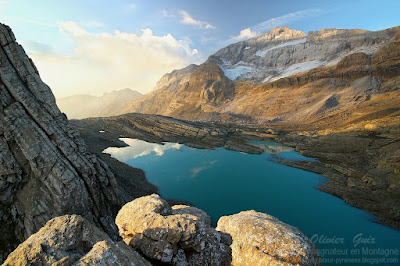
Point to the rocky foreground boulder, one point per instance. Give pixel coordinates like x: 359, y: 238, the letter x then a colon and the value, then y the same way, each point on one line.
x: 72, y: 240
x: 45, y: 169
x: 180, y: 235
x: 261, y: 239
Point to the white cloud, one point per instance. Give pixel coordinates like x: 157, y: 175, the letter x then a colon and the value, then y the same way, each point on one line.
x: 102, y: 62
x: 209, y: 26
x: 276, y: 22
x: 187, y: 19
x: 195, y: 171
x: 245, y: 34
x: 139, y: 148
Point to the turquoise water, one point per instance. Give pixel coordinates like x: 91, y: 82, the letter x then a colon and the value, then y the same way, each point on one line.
x: 223, y: 182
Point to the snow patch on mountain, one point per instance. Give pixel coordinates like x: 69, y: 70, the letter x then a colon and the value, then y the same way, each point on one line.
x: 297, y: 68
x: 243, y: 69
x: 262, y: 53
x: 236, y: 70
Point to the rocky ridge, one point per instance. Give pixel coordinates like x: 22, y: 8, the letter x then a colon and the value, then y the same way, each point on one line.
x: 153, y: 128
x: 45, y: 168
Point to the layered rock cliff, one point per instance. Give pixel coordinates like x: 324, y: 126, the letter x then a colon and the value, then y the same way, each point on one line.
x: 45, y: 168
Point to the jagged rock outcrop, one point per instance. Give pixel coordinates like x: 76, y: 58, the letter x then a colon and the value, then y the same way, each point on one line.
x: 180, y: 235
x: 261, y: 239
x: 72, y: 240
x: 45, y: 168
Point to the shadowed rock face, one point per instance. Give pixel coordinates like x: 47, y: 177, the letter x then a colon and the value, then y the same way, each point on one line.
x: 45, y: 168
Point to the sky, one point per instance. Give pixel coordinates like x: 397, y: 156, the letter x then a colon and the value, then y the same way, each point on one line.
x: 97, y: 46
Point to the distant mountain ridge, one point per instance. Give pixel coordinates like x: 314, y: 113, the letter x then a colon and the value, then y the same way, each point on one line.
x: 84, y: 105
x: 330, y: 77
x: 284, y: 77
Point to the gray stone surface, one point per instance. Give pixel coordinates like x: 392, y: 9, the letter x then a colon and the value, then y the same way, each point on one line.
x: 178, y: 236
x: 261, y: 239
x: 72, y: 240
x: 45, y: 168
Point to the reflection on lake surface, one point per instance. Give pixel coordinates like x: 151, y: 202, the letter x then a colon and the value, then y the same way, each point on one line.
x: 138, y: 148
x: 223, y: 182
x: 279, y: 151
x: 271, y: 147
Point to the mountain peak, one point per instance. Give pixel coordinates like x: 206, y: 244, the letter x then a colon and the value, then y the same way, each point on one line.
x: 125, y: 91
x: 281, y: 33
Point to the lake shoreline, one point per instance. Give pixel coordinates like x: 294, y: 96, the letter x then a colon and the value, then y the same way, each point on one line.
x: 209, y: 136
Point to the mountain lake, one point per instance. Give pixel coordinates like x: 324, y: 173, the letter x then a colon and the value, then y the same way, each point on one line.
x: 224, y: 182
